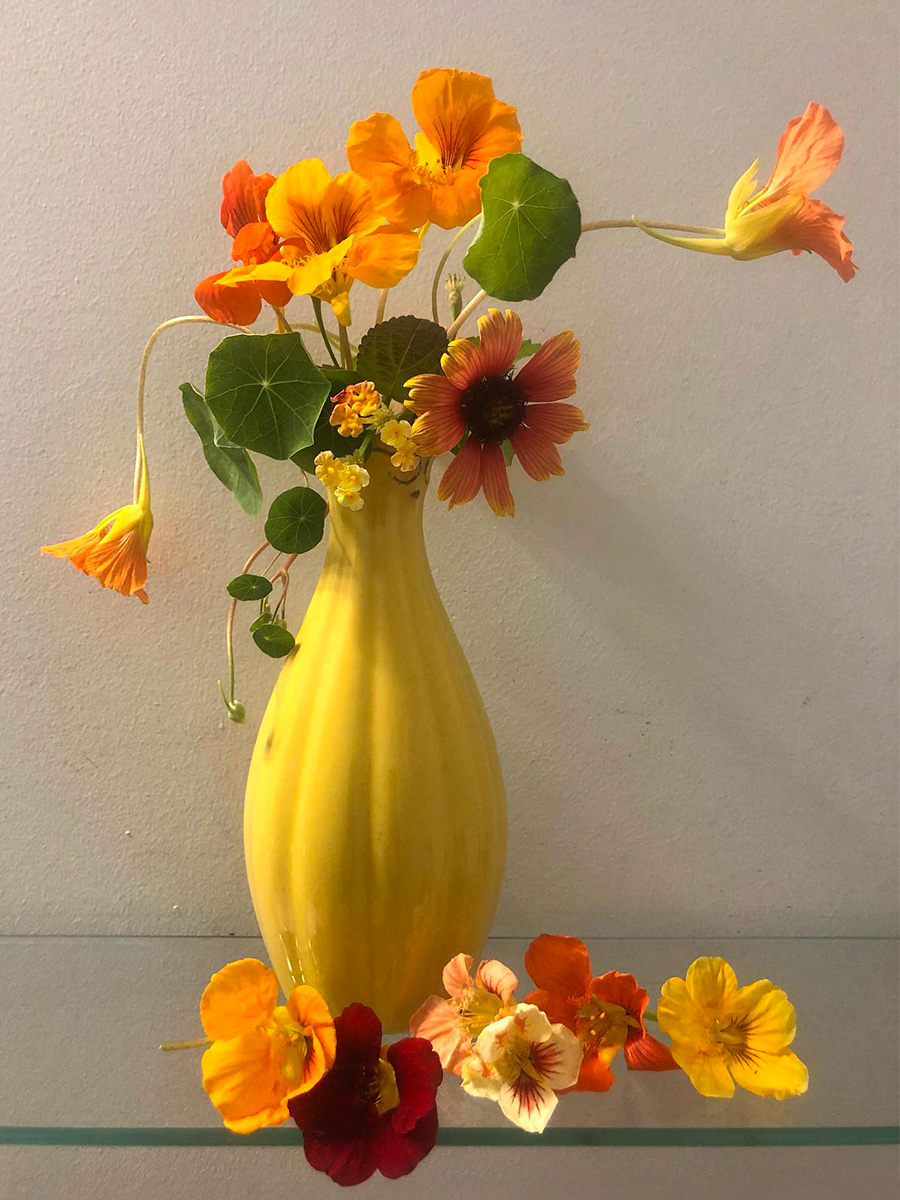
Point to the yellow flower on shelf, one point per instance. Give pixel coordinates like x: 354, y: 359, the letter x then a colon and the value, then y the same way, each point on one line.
x: 724, y: 1035
x: 263, y: 1053
x: 114, y: 552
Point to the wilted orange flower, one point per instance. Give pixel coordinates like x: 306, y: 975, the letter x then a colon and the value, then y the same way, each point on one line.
x: 243, y: 217
x: 332, y: 236
x: 263, y: 1053
x: 463, y: 128
x: 781, y: 215
x: 605, y: 1012
x: 477, y: 398
x: 114, y: 552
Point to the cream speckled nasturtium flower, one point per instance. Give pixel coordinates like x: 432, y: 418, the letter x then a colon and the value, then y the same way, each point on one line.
x: 724, y: 1035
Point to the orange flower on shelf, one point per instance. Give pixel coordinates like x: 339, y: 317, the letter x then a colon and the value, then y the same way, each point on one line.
x: 263, y: 1053
x: 463, y: 127
x: 453, y: 1025
x: 477, y: 398
x: 114, y: 552
x: 243, y: 217
x: 332, y: 236
x: 606, y: 1012
x: 781, y: 215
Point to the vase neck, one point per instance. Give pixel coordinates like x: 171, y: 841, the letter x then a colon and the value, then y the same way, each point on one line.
x: 390, y: 520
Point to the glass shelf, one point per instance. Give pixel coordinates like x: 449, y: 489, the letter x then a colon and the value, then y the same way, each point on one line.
x: 81, y: 1019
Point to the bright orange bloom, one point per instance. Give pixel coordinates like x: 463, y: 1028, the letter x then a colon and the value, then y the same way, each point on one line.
x: 115, y: 550
x: 332, y: 236
x: 781, y: 215
x: 606, y: 1012
x: 243, y: 217
x: 263, y: 1053
x: 463, y: 128
x: 478, y: 399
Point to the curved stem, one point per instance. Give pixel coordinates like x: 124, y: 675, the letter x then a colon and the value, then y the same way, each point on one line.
x: 590, y: 226
x: 320, y: 323
x: 281, y: 322
x: 229, y: 626
x: 435, y: 284
x: 346, y: 351
x: 477, y: 299
x: 382, y: 305
x: 142, y: 378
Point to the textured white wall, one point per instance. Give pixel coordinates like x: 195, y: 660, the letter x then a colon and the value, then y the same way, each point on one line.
x: 687, y: 645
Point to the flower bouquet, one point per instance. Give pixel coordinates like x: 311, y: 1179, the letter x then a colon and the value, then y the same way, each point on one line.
x: 375, y: 760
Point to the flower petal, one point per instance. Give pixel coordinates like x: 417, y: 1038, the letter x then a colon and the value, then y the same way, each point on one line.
x: 560, y: 1009
x: 399, y: 1152
x: 381, y: 259
x: 230, y: 305
x: 595, y: 1074
x: 816, y: 228
x: 707, y: 1072
x: 711, y: 982
x: 500, y: 336
x: 559, y: 964
x: 777, y: 1075
x: 457, y: 975
x: 461, y: 482
x: 419, y: 1075
x: 438, y: 430
x: 358, y: 1035
x: 766, y: 1014
x: 528, y: 1103
x: 456, y: 199
x: 449, y: 108
x: 462, y: 363
x: 237, y: 999
x: 429, y: 391
x: 621, y: 989
x: 537, y: 454
x: 243, y: 1079
x: 646, y: 1053
x: 243, y: 197
x: 437, y: 1021
x: 495, y: 481
x: 496, y: 978
x: 478, y: 1079
x: 556, y: 421
x: 295, y: 202
x: 309, y: 1009
x: 558, y: 1058
x: 809, y: 150
x: 378, y: 146
x: 550, y: 373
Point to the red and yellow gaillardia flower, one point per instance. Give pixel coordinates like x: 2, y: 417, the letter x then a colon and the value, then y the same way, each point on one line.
x: 463, y: 127
x: 605, y: 1012
x: 114, y: 552
x: 331, y: 236
x: 263, y: 1053
x: 477, y: 398
x: 781, y: 215
x: 243, y: 217
x: 724, y: 1035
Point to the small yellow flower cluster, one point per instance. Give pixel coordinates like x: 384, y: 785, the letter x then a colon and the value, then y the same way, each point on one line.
x: 353, y: 406
x: 345, y: 475
x: 398, y: 435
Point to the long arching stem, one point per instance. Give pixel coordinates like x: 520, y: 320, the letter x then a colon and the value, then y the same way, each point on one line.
x: 453, y: 329
x: 590, y: 226
x: 229, y: 631
x: 320, y: 322
x: 435, y: 284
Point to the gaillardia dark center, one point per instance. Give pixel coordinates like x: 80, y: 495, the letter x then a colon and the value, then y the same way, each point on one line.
x: 494, y: 408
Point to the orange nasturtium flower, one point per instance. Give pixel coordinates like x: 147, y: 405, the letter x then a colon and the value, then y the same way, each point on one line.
x: 724, y: 1035
x: 332, y: 235
x: 463, y: 128
x: 781, y: 215
x: 114, y: 552
x: 605, y: 1012
x: 263, y: 1053
x: 243, y: 217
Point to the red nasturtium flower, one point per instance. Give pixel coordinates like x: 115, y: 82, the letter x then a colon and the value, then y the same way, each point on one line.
x: 375, y: 1109
x: 606, y: 1012
x: 478, y: 398
x: 243, y: 217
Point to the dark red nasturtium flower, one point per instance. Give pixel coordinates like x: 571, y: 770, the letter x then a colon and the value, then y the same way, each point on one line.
x: 375, y: 1109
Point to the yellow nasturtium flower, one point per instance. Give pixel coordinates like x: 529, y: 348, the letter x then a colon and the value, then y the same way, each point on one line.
x: 262, y: 1053
x: 781, y: 215
x: 724, y: 1035
x: 331, y: 236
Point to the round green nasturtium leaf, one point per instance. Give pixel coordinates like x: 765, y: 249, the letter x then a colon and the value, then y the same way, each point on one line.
x: 249, y: 587
x: 265, y: 392
x: 530, y: 226
x: 274, y: 640
x: 264, y: 618
x: 296, y: 520
x: 395, y: 350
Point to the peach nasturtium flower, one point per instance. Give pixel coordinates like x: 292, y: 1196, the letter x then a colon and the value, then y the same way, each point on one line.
x: 263, y: 1053
x: 724, y: 1035
x: 522, y: 1061
x: 463, y: 128
x: 452, y: 1025
x: 114, y: 552
x: 243, y: 217
x: 478, y: 398
x: 781, y: 215
x: 332, y: 236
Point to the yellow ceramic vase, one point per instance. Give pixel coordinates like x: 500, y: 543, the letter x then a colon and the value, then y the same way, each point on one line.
x: 375, y: 815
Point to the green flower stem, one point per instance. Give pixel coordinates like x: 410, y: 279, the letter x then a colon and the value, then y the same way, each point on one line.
x: 455, y: 327
x: 346, y: 351
x: 320, y: 322
x: 631, y: 223
x: 281, y: 322
x: 650, y: 1015
x: 193, y: 1044
x: 435, y: 284
x: 382, y: 305
x: 229, y: 633
x: 142, y: 380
